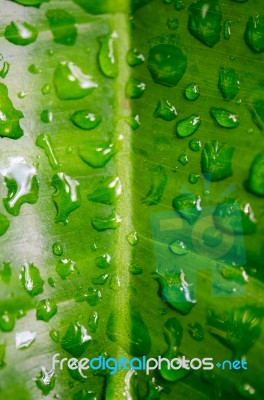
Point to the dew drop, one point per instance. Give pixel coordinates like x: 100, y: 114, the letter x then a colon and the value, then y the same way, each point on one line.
x: 256, y: 176
x: 188, y: 206
x: 97, y: 154
x: 9, y: 116
x: 102, y: 224
x: 65, y: 268
x: 44, y: 142
x: 135, y: 88
x: 76, y: 339
x: 192, y: 92
x: 107, y: 192
x: 46, y: 381
x: 57, y: 249
x: 31, y: 279
x: 254, y: 34
x: 103, y: 261
x: 165, y: 110
x: 21, y: 33
x: 46, y: 116
x: 228, y: 83
x: 216, y: 160
x: 7, y: 322
x: 86, y: 120
x: 5, y: 69
x: 67, y: 196
x: 224, y: 118
x: 188, y: 126
x: 134, y: 58
x: 107, y: 55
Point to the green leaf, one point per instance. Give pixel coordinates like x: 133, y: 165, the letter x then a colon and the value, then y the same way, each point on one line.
x: 120, y: 236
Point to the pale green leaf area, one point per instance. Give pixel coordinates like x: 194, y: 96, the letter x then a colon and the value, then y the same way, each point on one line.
x: 107, y: 268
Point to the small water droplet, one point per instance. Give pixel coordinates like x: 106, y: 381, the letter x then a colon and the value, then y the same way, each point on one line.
x: 254, y: 34
x: 216, y: 160
x: 179, y: 5
x: 107, y: 192
x: 57, y: 249
x: 100, y: 280
x: 225, y: 118
x: 103, y: 261
x: 256, y: 176
x: 46, y: 381
x: 31, y: 279
x: 192, y: 91
x: 193, y: 178
x: 135, y: 269
x: 21, y: 33
x: 4, y: 224
x: 134, y: 122
x: 76, y: 339
x: 33, y: 69
x: 165, y: 110
x: 135, y: 88
x: 195, y: 145
x: 157, y: 186
x: 65, y: 268
x: 102, y: 224
x: 6, y: 272
x: 107, y: 55
x: 5, y: 69
x: 97, y: 154
x: 228, y: 83
x: 183, y: 159
x: 54, y: 335
x: 134, y: 58
x: 46, y: 89
x: 188, y: 126
x: 132, y: 238
x: 93, y: 321
x: 178, y: 247
x: 9, y: 116
x: 46, y: 116
x: 227, y: 29
x: 67, y: 196
x: 44, y: 142
x: 173, y: 23
x: 188, y: 206
x: 7, y: 321
x: 86, y: 120
x: 46, y: 309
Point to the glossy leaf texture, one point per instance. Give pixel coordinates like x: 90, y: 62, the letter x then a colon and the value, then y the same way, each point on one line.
x: 131, y: 217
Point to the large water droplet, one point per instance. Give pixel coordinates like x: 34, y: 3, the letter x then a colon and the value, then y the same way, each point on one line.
x: 9, y: 116
x: 22, y: 185
x: 31, y: 279
x: 21, y: 33
x: 225, y: 118
x: 216, y: 160
x: 46, y: 381
x: 46, y: 309
x: 167, y: 64
x: 254, y: 34
x: 71, y: 83
x: 228, y: 83
x: 205, y: 21
x: 107, y: 55
x: 67, y: 196
x: 188, y: 206
x: 76, y: 339
x: 61, y: 23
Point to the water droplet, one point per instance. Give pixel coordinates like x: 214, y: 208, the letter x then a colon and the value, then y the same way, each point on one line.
x: 71, y: 83
x: 33, y: 69
x: 84, y: 119
x: 135, y: 88
x: 31, y: 279
x: 254, y: 34
x: 193, y: 178
x: 135, y: 338
x: 33, y: 3
x: 62, y: 25
x: 246, y: 390
x: 5, y: 272
x: 46, y: 116
x: 97, y: 154
x: 57, y: 249
x: 216, y: 160
x: 65, y: 268
x: 224, y: 118
x: 135, y: 269
x: 228, y: 83
x: 257, y: 111
x: 22, y: 185
x: 21, y: 33
x: 188, y: 126
x: 25, y: 339
x: 179, y: 5
x: 165, y: 110
x: 173, y: 23
x: 44, y: 142
x: 46, y: 309
x: 157, y: 186
x: 54, y: 335
x: 46, y: 89
x: 192, y: 91
x: 100, y: 280
x: 237, y: 274
x: 93, y: 321
x: 234, y: 216
x: 205, y: 21
x: 134, y: 122
x: 102, y: 224
x: 67, y: 196
x: 7, y: 321
x: 195, y: 145
x: 183, y: 159
x: 132, y: 238
x: 188, y: 206
x: 107, y: 192
x: 178, y: 247
x: 76, y: 339
x: 107, y: 55
x: 196, y: 331
x: 176, y: 291
x: 227, y: 29
x: 46, y: 381
x: 21, y: 95
x: 103, y: 261
x: 167, y: 64
x: 256, y: 176
x: 9, y: 116
x: 134, y: 58
x: 5, y: 69
x: 51, y: 282
x: 4, y: 224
